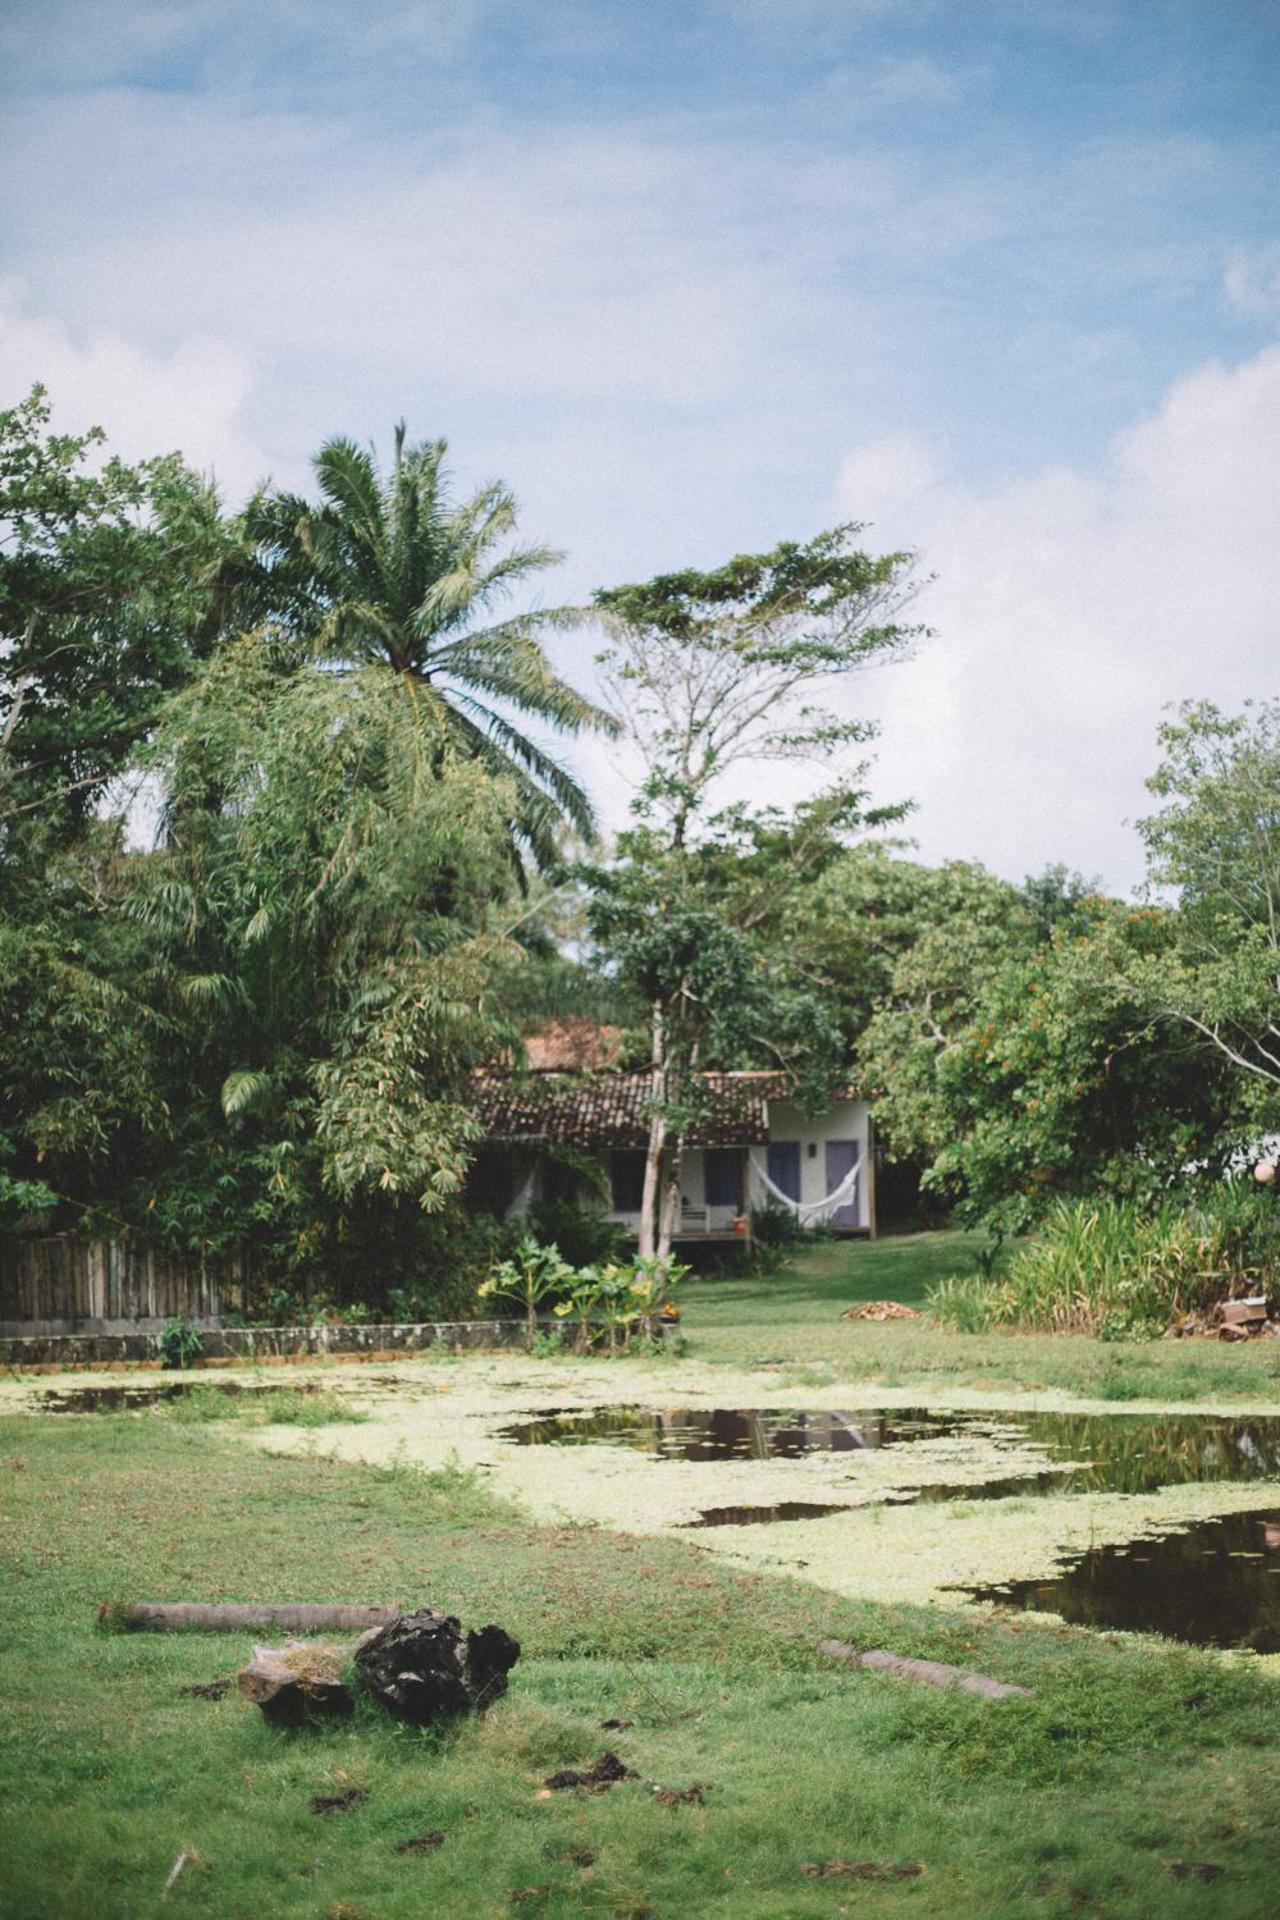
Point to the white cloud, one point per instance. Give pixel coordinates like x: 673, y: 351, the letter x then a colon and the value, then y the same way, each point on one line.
x: 1070, y: 608
x: 189, y: 399
x: 1252, y: 280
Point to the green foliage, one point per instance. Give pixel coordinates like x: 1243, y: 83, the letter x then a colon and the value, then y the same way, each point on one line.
x: 532, y: 1277
x: 717, y: 1667
x: 262, y: 1407
x: 581, y: 1235
x: 1216, y: 840
x: 389, y: 574
x: 711, y: 668
x: 776, y: 1227
x: 1019, y: 1072
x: 180, y: 1343
x: 1120, y: 1269
x: 965, y: 1302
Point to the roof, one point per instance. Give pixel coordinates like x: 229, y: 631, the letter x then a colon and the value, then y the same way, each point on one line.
x: 612, y: 1110
x: 574, y: 1045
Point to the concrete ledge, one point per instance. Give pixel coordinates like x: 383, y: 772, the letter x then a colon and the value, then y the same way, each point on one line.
x: 260, y: 1343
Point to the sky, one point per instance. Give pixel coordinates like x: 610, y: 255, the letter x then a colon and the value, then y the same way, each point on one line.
x: 999, y: 278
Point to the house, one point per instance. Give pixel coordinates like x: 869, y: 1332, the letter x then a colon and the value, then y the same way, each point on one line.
x: 754, y: 1148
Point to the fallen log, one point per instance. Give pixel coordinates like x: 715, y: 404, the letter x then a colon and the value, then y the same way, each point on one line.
x: 423, y: 1667
x: 166, y: 1616
x: 934, y: 1673
x: 296, y: 1685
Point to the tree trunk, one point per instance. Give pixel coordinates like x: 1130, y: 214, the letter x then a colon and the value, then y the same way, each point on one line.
x: 296, y: 1685
x: 302, y: 1617
x: 423, y: 1667
x: 652, y: 1195
x: 669, y: 1216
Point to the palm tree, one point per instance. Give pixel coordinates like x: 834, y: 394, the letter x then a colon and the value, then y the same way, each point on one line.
x: 389, y: 572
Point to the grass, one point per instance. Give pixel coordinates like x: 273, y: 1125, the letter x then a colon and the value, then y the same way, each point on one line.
x: 1129, y: 1756
x: 794, y: 1316
x: 1039, y: 1807
x: 264, y: 1407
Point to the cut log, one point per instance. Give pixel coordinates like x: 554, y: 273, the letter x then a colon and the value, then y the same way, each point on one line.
x: 172, y: 1616
x: 296, y: 1685
x: 423, y: 1667
x: 933, y: 1672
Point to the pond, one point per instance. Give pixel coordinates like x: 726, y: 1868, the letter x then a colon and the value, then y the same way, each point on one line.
x: 159, y: 1394
x: 1215, y: 1583
x: 1102, y: 1453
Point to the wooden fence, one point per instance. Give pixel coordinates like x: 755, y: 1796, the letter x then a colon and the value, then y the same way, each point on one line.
x: 67, y: 1284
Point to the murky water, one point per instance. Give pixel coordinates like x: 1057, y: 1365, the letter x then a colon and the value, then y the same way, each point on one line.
x: 132, y: 1399
x: 1099, y: 1453
x: 733, y: 1433
x: 1216, y: 1583
x: 764, y: 1516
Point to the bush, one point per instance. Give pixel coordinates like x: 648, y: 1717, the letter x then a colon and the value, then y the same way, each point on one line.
x: 584, y: 1235
x: 966, y: 1303
x: 776, y: 1227
x: 1120, y: 1270
x: 180, y: 1344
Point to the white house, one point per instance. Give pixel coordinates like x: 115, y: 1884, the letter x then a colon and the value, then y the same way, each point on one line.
x: 754, y: 1148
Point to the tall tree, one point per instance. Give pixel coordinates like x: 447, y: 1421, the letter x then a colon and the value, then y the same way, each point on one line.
x: 105, y: 606
x: 389, y: 572
x: 710, y: 671
x: 1215, y: 841
x: 319, y: 959
x: 1020, y: 1066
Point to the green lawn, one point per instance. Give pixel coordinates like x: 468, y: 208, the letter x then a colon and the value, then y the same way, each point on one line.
x: 1129, y: 1757
x: 795, y: 1315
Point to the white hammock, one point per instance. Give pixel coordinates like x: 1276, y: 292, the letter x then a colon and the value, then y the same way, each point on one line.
x: 841, y: 1196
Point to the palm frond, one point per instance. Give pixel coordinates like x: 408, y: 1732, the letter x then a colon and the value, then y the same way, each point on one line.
x: 243, y: 1089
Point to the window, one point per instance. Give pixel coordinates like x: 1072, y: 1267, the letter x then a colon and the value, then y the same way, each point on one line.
x: 722, y: 1176
x: 784, y: 1167
x: 626, y: 1178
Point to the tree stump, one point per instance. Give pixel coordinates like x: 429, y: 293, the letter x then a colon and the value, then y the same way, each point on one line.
x: 296, y: 1685
x: 423, y: 1668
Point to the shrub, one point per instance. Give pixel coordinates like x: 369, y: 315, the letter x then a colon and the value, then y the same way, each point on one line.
x: 583, y: 1235
x: 1120, y: 1270
x: 776, y: 1227
x: 965, y: 1302
x: 180, y: 1344
x: 534, y: 1275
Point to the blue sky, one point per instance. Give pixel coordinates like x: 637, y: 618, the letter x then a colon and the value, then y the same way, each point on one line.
x: 1001, y: 276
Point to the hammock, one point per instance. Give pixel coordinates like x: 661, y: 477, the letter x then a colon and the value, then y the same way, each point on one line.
x: 841, y: 1196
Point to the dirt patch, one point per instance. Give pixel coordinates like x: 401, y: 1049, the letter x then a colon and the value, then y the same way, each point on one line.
x: 605, y: 1772
x: 345, y: 1802
x: 859, y: 1870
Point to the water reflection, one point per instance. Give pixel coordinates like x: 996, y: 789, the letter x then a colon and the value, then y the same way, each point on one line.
x: 1215, y: 1584
x: 1037, y: 1453
x: 764, y: 1516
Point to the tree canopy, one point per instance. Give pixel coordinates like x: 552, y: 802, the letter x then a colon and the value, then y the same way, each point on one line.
x: 388, y: 572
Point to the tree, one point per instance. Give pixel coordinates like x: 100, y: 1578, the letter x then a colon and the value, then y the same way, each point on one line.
x: 104, y: 609
x: 388, y: 573
x: 1216, y: 841
x: 320, y: 957
x: 1021, y: 1068
x: 709, y: 671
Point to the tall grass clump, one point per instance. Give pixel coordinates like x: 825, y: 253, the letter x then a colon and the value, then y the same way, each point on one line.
x: 1123, y: 1268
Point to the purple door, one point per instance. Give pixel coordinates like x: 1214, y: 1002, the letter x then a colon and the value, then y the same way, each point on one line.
x: 842, y: 1158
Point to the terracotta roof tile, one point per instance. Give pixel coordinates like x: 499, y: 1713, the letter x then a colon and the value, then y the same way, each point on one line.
x: 611, y: 1110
